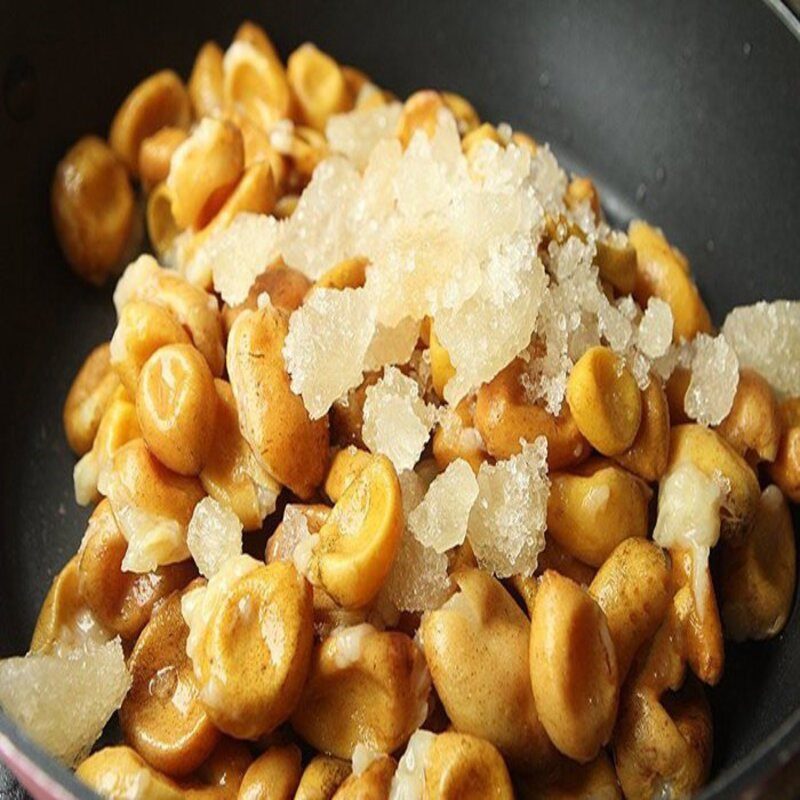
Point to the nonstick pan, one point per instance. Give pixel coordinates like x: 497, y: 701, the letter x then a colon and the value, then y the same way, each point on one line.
x: 686, y: 113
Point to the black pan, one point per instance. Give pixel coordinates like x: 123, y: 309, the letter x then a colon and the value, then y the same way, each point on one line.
x: 687, y: 113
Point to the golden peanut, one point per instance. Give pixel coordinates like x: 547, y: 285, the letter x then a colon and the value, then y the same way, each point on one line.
x: 753, y: 425
x: 374, y: 783
x: 143, y: 328
x: 676, y: 387
x: 274, y: 775
x: 471, y: 141
x: 88, y: 397
x: 605, y: 401
x: 119, y: 773
x: 159, y: 101
x: 204, y: 170
x: 220, y: 776
x: 307, y: 147
x: 162, y: 230
x: 345, y: 467
x: 258, y: 147
x: 291, y: 447
x: 286, y: 206
x: 785, y: 470
x: 467, y: 118
x: 503, y: 416
x: 634, y: 589
x: 155, y: 155
x: 255, y: 83
x: 318, y: 85
x: 231, y: 474
x: 205, y: 82
x: 355, y: 79
x: 594, y: 508
x: 347, y: 414
x: 556, y: 558
x: 456, y: 437
x: 253, y: 33
x: 122, y: 601
x: 616, y: 263
x: 662, y: 271
x: 476, y: 646
x: 757, y: 577
x: 250, y: 643
x: 648, y: 456
x: 321, y: 778
x: 712, y: 454
x: 420, y: 112
x: 358, y: 542
x: 162, y: 717
x: 526, y: 141
x: 461, y: 767
x: 442, y: 368
x: 348, y: 274
x: 571, y: 781
x: 582, y: 190
x: 365, y: 686
x: 176, y: 405
x: 573, y: 668
x: 92, y: 206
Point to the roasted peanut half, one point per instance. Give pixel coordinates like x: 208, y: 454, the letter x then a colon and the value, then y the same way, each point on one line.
x: 346, y: 466
x: 648, y: 456
x: 162, y: 717
x: 461, y: 767
x: 594, y: 508
x: 662, y: 271
x: 318, y: 85
x: 321, y: 778
x: 374, y: 783
x: 365, y: 686
x: 142, y: 329
x: 88, y: 397
x: 573, y: 668
x: 204, y: 170
x: 757, y: 577
x: 596, y: 780
x: 616, y: 262
x: 120, y: 773
x: 476, y: 646
x: 556, y: 558
x: 176, y: 405
x: 155, y: 155
x: 253, y: 33
x: 92, y: 206
x: 466, y: 116
x: 220, y: 776
x: 273, y: 419
x: 205, y: 82
x: 442, y: 368
x: 753, y: 426
x: 162, y: 230
x: 347, y: 414
x: 456, y: 437
x: 121, y: 601
x: 605, y: 401
x: 472, y: 140
x: 231, y: 474
x: 420, y: 112
x: 274, y: 775
x: 503, y: 416
x: 159, y: 101
x: 676, y: 388
x: 358, y: 542
x: 348, y: 274
x: 582, y: 190
x: 634, y: 589
x: 250, y: 637
x: 785, y: 470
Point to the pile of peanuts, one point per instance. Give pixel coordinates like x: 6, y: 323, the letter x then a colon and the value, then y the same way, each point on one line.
x: 584, y: 680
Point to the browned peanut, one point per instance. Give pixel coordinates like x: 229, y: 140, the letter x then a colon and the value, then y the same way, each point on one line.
x: 456, y: 437
x: 253, y: 33
x: 420, y: 112
x: 616, y: 263
x: 634, y: 589
x: 290, y: 445
x: 162, y: 717
x: 118, y: 772
x: 582, y: 190
x: 476, y: 645
x: 176, y: 404
x: 318, y: 85
x: 754, y: 424
x: 373, y: 783
x: 121, y: 601
x: 663, y: 271
x: 89, y: 395
x: 596, y: 780
x: 573, y: 668
x: 466, y: 116
x: 648, y: 456
x: 556, y: 558
x: 757, y: 577
x: 220, y: 777
x: 785, y: 470
x: 250, y: 638
x: 503, y: 416
x: 159, y: 101
x: 321, y: 778
x: 676, y: 388
x: 205, y: 82
x: 155, y: 155
x: 231, y: 473
x: 347, y: 414
x: 92, y: 206
x: 345, y: 467
x: 472, y: 140
x: 274, y: 775
x: 594, y: 508
x: 348, y: 274
x: 365, y: 686
x: 162, y: 230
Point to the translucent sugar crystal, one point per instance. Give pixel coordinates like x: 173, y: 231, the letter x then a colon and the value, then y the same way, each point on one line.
x: 507, y: 523
x: 408, y: 782
x: 215, y: 535
x: 715, y: 376
x: 326, y: 345
x: 317, y: 235
x: 356, y: 133
x: 392, y: 345
x: 655, y: 329
x: 294, y: 531
x: 766, y: 337
x: 418, y: 580
x: 238, y: 254
x: 440, y: 520
x: 64, y: 701
x: 397, y: 421
x: 549, y: 180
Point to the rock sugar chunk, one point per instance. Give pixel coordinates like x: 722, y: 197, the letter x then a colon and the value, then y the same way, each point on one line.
x: 214, y: 536
x: 715, y: 376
